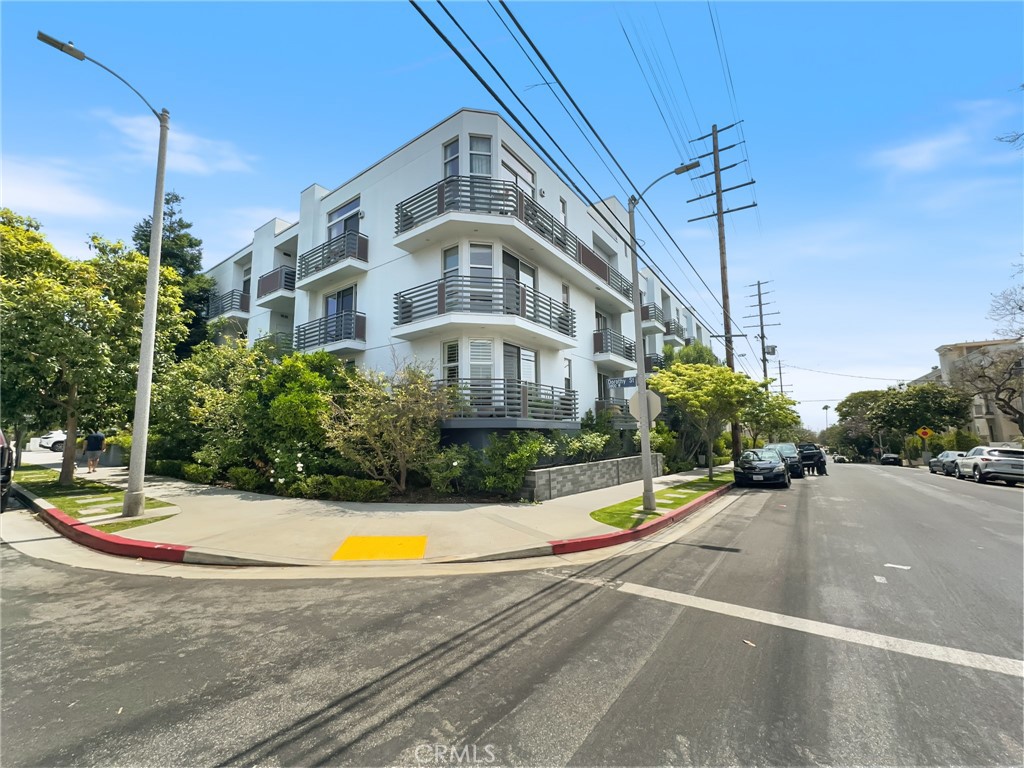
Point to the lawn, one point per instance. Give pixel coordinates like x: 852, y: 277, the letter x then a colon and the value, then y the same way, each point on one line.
x: 630, y: 514
x: 81, y: 500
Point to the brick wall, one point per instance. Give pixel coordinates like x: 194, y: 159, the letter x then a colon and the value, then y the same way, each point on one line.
x: 554, y: 482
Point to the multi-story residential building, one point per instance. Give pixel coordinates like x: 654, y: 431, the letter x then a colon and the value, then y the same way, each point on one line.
x: 463, y: 251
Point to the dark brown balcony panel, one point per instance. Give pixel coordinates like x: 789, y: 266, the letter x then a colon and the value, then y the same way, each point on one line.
x: 652, y: 312
x: 653, y: 362
x: 486, y: 296
x: 280, y: 279
x: 344, y: 326
x: 350, y: 245
x: 510, y: 398
x: 232, y: 301
x: 612, y: 342
x: 472, y: 194
x: 672, y: 328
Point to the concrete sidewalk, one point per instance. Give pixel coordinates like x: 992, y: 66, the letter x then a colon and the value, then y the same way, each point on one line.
x: 228, y: 527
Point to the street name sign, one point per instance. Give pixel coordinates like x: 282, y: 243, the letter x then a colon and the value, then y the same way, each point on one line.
x: 628, y: 381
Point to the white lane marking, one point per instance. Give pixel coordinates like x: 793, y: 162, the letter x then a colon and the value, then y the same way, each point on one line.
x: 1000, y: 664
x: 881, y: 580
x: 893, y: 565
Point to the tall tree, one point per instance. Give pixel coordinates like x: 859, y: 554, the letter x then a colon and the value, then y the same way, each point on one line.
x: 711, y: 395
x: 923, y: 405
x: 998, y: 374
x: 1007, y: 308
x: 769, y: 413
x: 183, y: 252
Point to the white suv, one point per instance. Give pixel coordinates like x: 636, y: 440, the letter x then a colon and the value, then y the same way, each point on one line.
x: 53, y: 440
x: 987, y: 462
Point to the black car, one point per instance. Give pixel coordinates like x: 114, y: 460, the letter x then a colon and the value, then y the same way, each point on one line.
x: 761, y: 466
x: 792, y: 457
x: 6, y: 470
x: 892, y: 458
x: 945, y: 462
x: 810, y: 454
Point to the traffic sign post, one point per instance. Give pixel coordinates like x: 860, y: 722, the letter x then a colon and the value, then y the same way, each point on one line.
x: 924, y: 433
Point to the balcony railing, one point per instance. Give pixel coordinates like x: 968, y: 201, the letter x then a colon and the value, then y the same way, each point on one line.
x: 472, y: 194
x: 279, y: 343
x: 350, y: 245
x: 652, y: 312
x: 613, y: 342
x: 673, y: 328
x: 484, y: 295
x: 344, y: 326
x: 511, y: 398
x: 653, y: 362
x: 280, y: 279
x: 616, y: 405
x: 232, y: 301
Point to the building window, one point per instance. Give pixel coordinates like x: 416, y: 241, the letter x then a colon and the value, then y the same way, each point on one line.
x: 450, y: 262
x: 450, y: 355
x: 481, y: 271
x: 481, y: 359
x: 515, y: 170
x: 519, y: 364
x: 451, y: 158
x: 246, y: 279
x: 343, y: 219
x: 563, y: 211
x: 565, y: 294
x: 479, y: 155
x: 568, y: 373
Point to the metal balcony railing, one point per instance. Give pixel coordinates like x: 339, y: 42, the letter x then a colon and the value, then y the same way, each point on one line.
x: 483, y: 295
x: 673, y: 328
x: 613, y: 342
x: 350, y: 245
x: 474, y: 194
x: 344, y: 326
x: 280, y: 279
x: 653, y: 362
x: 232, y: 301
x: 617, y: 405
x: 511, y: 398
x: 278, y: 343
x: 652, y: 312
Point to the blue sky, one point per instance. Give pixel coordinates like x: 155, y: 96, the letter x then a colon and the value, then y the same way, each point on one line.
x: 887, y: 213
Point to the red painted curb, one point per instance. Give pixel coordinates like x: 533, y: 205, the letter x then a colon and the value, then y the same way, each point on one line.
x: 87, y: 536
x: 567, y: 546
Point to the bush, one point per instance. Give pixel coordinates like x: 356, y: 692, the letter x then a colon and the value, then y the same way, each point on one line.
x: 338, y: 488
x: 166, y: 468
x: 246, y: 479
x: 197, y: 473
x: 453, y: 468
x: 508, y: 458
x: 586, y: 446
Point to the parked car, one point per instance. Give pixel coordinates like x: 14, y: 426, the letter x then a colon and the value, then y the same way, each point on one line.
x: 839, y: 459
x: 791, y: 455
x: 987, y: 462
x: 761, y: 466
x: 892, y: 458
x: 54, y: 440
x: 6, y: 470
x: 944, y: 462
x: 810, y: 454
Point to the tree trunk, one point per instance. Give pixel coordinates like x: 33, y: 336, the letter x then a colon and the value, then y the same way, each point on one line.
x: 67, y: 468
x: 19, y: 434
x: 711, y: 459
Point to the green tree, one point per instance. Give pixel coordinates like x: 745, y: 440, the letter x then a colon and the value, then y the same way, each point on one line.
x: 183, y: 252
x: 924, y: 405
x: 711, y: 395
x: 996, y: 374
x: 690, y: 355
x: 389, y: 426
x: 71, y: 331
x: 769, y: 413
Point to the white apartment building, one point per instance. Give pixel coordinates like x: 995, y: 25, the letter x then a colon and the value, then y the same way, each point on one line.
x: 461, y: 250
x: 992, y: 426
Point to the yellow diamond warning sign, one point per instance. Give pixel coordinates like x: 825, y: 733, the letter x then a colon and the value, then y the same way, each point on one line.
x: 924, y: 432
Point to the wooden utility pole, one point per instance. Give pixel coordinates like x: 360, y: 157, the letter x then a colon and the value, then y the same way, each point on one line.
x: 760, y: 316
x: 719, y: 213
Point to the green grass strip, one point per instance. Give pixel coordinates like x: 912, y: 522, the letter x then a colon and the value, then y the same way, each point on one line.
x: 134, y: 522
x: 629, y: 514
x: 72, y: 500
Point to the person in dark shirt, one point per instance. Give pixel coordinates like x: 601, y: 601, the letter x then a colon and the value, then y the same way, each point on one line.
x: 94, y: 443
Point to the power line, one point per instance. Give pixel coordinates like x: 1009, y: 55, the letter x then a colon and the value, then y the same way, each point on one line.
x: 847, y: 375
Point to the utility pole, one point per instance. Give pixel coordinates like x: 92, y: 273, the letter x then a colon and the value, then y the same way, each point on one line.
x: 760, y: 315
x: 719, y: 213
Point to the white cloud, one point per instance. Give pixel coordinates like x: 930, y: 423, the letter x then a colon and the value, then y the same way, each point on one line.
x: 186, y: 152
x: 924, y: 154
x: 42, y: 187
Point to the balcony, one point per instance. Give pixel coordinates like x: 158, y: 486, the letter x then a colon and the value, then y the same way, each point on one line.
x: 276, y: 289
x: 458, y: 303
x: 343, y: 332
x: 233, y: 305
x: 343, y: 256
x: 653, y: 362
x: 618, y: 410
x: 675, y: 334
x: 276, y: 344
x: 517, y: 403
x: 652, y: 319
x: 613, y: 351
x: 492, y: 202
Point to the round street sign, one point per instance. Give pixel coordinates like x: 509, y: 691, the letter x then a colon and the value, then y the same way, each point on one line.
x: 924, y: 432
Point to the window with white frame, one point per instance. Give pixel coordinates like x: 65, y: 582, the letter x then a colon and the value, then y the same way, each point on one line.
x: 451, y: 158
x: 515, y: 170
x: 563, y: 212
x: 568, y: 374
x: 481, y: 359
x: 343, y: 219
x: 479, y: 155
x: 450, y: 367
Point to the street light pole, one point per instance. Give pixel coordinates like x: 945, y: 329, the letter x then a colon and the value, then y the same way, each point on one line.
x: 134, y: 498
x: 643, y: 417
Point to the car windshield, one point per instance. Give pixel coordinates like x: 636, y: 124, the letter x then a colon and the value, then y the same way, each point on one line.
x: 762, y: 454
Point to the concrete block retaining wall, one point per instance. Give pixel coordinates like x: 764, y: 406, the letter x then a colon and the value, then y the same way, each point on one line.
x: 555, y: 482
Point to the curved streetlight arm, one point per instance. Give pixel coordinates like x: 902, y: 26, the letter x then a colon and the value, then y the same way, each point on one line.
x: 70, y: 50
x: 675, y: 171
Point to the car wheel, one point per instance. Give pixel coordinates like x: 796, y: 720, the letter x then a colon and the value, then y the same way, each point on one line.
x: 958, y: 474
x: 946, y: 472
x: 1011, y: 483
x: 57, y: 446
x: 787, y: 482
x: 931, y: 469
x: 3, y: 501
x: 978, y: 477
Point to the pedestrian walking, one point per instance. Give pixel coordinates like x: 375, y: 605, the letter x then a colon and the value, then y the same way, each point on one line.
x: 822, y: 462
x: 94, y: 443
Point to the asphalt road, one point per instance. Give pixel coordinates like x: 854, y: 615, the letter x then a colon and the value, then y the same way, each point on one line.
x: 870, y: 617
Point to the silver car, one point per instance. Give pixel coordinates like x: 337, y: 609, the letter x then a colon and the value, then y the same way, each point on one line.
x: 987, y: 462
x: 944, y: 462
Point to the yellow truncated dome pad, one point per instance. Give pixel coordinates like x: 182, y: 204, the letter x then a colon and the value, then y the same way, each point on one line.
x: 382, y: 548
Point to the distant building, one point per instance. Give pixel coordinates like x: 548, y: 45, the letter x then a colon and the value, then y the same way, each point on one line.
x: 463, y: 250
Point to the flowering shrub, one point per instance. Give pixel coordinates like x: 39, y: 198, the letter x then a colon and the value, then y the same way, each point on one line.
x: 508, y: 459
x: 453, y: 468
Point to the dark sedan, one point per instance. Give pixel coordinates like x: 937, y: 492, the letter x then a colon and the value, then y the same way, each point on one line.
x: 761, y: 466
x: 791, y: 455
x: 945, y: 462
x: 892, y: 458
